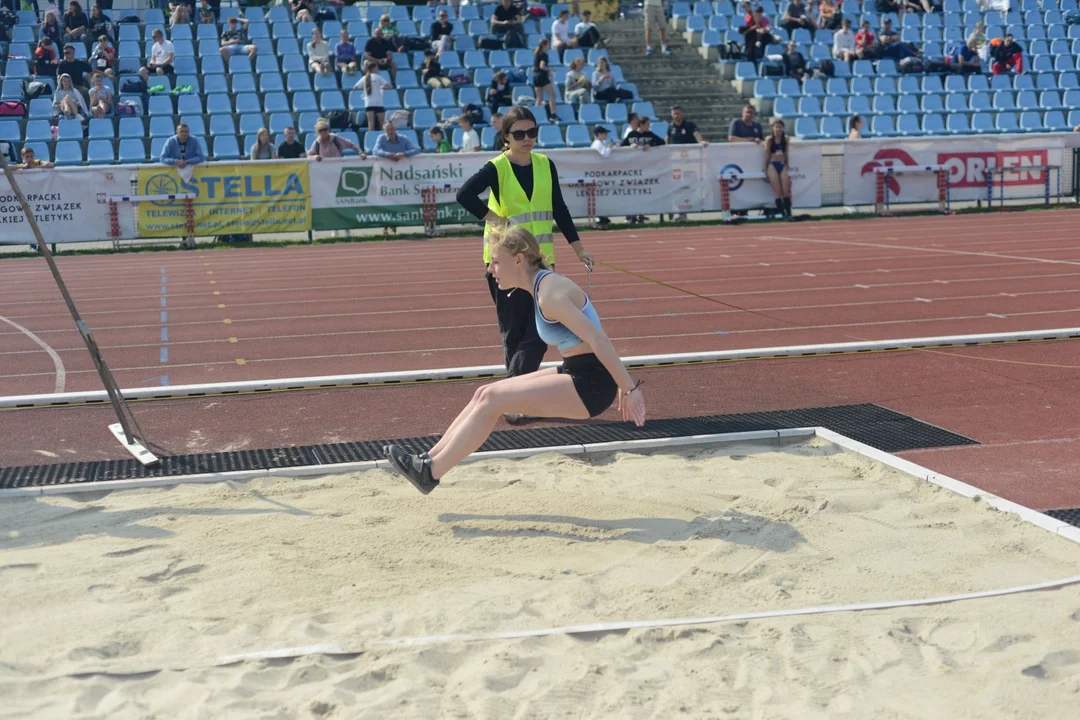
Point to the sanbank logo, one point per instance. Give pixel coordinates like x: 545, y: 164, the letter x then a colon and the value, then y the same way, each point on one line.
x: 354, y: 183
x: 889, y: 157
x: 733, y: 173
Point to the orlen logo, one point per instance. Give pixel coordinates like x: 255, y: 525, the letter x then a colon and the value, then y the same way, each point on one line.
x: 889, y: 157
x: 969, y: 169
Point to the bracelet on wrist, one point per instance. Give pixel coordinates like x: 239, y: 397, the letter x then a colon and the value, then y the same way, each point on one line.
x: 636, y: 386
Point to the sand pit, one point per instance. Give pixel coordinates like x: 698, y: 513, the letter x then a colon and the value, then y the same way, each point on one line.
x: 114, y: 605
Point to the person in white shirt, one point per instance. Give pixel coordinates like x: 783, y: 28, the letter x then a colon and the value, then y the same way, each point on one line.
x: 560, y: 33
x: 602, y: 144
x: 470, y: 141
x: 654, y: 19
x: 161, y: 57
x: 586, y: 32
x: 372, y: 85
x: 843, y: 44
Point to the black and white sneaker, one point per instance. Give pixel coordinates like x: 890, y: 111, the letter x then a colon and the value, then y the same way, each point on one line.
x: 415, y: 468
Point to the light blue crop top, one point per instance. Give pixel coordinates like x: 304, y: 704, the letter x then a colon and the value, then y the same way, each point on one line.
x: 555, y: 333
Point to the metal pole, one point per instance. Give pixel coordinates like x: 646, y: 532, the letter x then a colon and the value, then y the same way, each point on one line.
x: 107, y: 379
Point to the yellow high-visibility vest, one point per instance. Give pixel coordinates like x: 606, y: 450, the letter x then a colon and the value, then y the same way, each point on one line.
x: 535, y: 215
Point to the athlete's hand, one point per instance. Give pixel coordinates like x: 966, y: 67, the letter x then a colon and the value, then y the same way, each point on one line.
x: 587, y: 258
x: 632, y: 406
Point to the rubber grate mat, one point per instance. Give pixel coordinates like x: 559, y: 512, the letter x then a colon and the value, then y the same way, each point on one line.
x: 873, y: 425
x: 1069, y: 515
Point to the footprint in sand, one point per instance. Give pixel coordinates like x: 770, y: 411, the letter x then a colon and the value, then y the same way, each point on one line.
x: 130, y: 551
x: 172, y: 572
x: 1048, y: 667
x: 20, y: 567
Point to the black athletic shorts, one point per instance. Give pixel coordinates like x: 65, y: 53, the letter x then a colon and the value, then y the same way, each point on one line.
x: 594, y: 384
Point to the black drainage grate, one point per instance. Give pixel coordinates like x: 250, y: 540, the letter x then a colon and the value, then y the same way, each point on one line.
x: 873, y: 425
x: 1069, y: 515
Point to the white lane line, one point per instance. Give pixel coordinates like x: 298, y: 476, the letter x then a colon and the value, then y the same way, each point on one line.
x: 58, y: 364
x: 887, y: 246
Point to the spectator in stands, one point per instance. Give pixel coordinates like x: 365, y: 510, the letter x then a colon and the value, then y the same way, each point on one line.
x: 45, y: 60
x: 181, y: 149
x: 655, y: 19
x: 796, y: 17
x: 303, y: 10
x: 208, y: 13
x: 889, y: 6
x: 162, y: 55
x: 586, y: 33
x: 101, y: 97
x: 79, y: 70
x: 345, y: 54
x: 746, y: 128
x: 603, y: 84
x: 328, y: 144
x: 390, y: 31
x: 181, y: 14
x: 865, y: 42
x: 561, y: 39
x: 7, y: 149
x: 965, y: 59
x: 442, y: 33
x: 499, y: 143
x: 829, y: 18
x: 777, y: 159
x: 498, y: 94
x: 982, y: 46
x: 75, y: 22
x: 889, y: 45
x: 104, y: 55
x: 643, y: 138
x: 683, y: 132
x: 263, y: 149
x: 915, y: 6
x: 99, y: 24
x: 843, y: 44
x: 318, y: 51
x: 855, y: 128
x: 632, y: 122
x: 758, y: 35
x: 542, y: 82
x: 391, y: 145
x: 578, y: 87
x: 794, y: 62
x: 470, y: 139
x: 234, y: 40
x: 603, y: 145
x: 29, y: 162
x: 372, y: 85
x: 1007, y: 56
x: 507, y: 21
x: 433, y: 73
x: 67, y: 100
x: 50, y: 28
x: 290, y: 148
x: 380, y: 51
x: 442, y: 145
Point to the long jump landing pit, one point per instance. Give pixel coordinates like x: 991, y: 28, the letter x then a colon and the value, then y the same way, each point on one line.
x: 353, y: 596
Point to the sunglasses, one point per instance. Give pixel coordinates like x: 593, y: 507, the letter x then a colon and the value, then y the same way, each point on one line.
x: 520, y: 135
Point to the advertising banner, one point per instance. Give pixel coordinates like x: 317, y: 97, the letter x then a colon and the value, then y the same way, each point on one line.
x: 231, y: 198
x: 68, y: 204
x: 968, y: 159
x: 734, y: 159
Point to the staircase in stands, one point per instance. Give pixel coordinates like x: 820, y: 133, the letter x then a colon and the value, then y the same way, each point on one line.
x: 684, y: 77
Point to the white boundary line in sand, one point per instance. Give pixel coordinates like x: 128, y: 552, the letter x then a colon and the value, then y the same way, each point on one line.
x: 1057, y: 527
x: 497, y: 371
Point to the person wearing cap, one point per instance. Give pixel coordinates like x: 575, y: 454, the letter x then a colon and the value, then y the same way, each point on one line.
x: 586, y: 33
x: 561, y: 39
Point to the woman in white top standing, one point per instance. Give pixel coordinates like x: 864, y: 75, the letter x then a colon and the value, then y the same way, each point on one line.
x: 319, y: 53
x: 373, y: 84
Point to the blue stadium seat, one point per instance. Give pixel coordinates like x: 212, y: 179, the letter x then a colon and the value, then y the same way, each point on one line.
x: 908, y: 126
x: 1027, y: 100
x: 222, y: 125
x: 415, y: 99
x: 933, y: 124
x: 784, y: 107
x: 908, y: 105
x: 275, y: 102
x: 298, y: 81
x: 305, y: 102
x: 40, y: 107
x: 1050, y: 100
x: 833, y: 128
x: 280, y: 121
x: 38, y: 131
x: 1054, y: 121
x: 443, y: 98
x: 810, y: 107
x: 1006, y: 122
x: 550, y: 137
x: 957, y: 124
x: 806, y: 128
x: 247, y: 103
x: 1004, y: 101
x: 195, y: 124
x: 326, y: 82
x: 242, y: 83
x: 331, y: 101
x: 616, y: 113
x: 271, y: 82
x: 130, y: 127
x: 226, y: 148
x: 834, y: 106
x: 250, y: 124
x: 982, y: 123
x: 578, y: 136
x: 836, y: 87
x: 980, y: 102
x: 132, y: 151
x: 68, y: 152
x: 100, y: 129
x: 469, y: 96
x: 859, y: 105
x: 1031, y: 122
x: 162, y: 127
x: 882, y: 126
x: 100, y: 152
x: 955, y: 102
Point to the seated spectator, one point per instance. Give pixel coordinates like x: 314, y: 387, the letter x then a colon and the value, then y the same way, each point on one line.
x: 561, y: 39
x: 380, y: 51
x: 303, y: 10
x: 433, y: 73
x: 499, y: 93
x: 601, y: 142
x: 603, y: 84
x: 632, y: 122
x: 50, y: 28
x: 844, y: 46
x: 29, y: 162
x: 442, y: 33
x: 889, y: 45
x: 68, y: 101
x: 392, y: 146
x: 181, y: 14
x: 442, y: 145
x: 208, y: 13
x: 470, y: 139
x: 162, y: 56
x: 745, y: 128
x: 372, y: 85
x: 45, y: 60
x: 916, y: 6
x: 586, y: 33
x: 389, y: 31
x: 855, y: 128
x: 290, y: 148
x: 794, y: 62
x: 498, y: 144
x: 643, y: 138
x: 865, y: 42
x: 890, y: 6
x: 75, y: 23
x: 965, y: 59
x: 345, y: 54
x: 234, y: 40
x: 318, y: 51
x: 1006, y: 56
x: 79, y: 70
x: 829, y: 18
x: 758, y: 35
x: 578, y: 87
x: 330, y: 145
x: 263, y: 149
x: 101, y: 97
x: 99, y: 24
x: 181, y: 149
x: 982, y: 45
x: 104, y: 56
x: 796, y: 17
x: 507, y: 21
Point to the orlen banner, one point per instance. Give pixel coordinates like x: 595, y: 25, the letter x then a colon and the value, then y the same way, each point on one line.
x: 969, y: 161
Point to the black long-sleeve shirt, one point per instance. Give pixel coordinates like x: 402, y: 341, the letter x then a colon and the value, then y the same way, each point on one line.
x: 468, y: 196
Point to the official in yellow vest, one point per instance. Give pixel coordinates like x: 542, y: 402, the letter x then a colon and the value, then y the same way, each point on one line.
x: 525, y: 192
